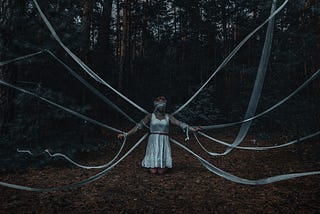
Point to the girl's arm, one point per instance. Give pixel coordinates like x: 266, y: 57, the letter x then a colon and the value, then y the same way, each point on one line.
x: 140, y: 125
x: 182, y: 125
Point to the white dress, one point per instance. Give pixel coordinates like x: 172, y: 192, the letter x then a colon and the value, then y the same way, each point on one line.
x: 158, y: 152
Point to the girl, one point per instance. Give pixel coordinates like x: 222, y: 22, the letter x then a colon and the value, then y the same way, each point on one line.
x: 158, y: 154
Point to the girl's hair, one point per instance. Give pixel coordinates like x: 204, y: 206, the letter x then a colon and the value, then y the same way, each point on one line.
x: 160, y: 98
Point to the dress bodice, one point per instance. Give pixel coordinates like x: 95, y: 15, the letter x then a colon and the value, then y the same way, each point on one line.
x: 157, y: 125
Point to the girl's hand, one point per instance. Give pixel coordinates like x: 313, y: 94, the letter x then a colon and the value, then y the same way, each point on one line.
x: 120, y: 136
x: 197, y: 128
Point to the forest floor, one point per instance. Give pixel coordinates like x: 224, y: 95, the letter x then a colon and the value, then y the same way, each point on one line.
x: 187, y: 188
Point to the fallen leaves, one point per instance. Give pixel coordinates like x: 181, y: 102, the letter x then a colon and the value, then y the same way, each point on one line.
x: 188, y: 187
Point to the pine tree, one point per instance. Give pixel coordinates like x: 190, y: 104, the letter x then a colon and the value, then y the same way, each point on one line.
x: 11, y: 11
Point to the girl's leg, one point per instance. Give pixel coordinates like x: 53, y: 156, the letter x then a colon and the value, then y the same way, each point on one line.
x: 153, y: 170
x: 162, y: 170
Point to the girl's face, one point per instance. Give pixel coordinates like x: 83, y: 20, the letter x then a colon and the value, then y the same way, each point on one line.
x: 161, y: 109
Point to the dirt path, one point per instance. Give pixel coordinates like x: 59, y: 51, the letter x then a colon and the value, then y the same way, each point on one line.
x: 187, y: 188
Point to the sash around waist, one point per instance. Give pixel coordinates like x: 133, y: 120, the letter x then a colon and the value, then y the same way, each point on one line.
x: 160, y: 133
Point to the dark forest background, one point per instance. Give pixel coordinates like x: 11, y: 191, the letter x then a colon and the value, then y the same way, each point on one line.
x: 149, y: 48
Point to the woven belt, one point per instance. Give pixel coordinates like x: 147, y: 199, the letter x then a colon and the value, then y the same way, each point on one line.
x: 160, y: 133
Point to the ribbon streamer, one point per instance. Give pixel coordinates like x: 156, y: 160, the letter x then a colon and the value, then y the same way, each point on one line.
x: 260, y: 148
x: 256, y: 92
x: 307, y: 82
x: 229, y: 57
x: 80, y: 62
x: 75, y: 163
x: 61, y: 107
x: 88, y: 167
x: 236, y: 179
x: 24, y: 151
x: 93, y: 89
x: 20, y: 58
x: 77, y: 184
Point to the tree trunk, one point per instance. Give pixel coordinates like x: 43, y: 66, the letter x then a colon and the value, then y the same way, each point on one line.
x: 87, y: 13
x: 222, y: 80
x: 235, y: 75
x: 11, y: 10
x: 144, y: 28
x: 84, y: 49
x: 104, y: 47
x: 134, y: 74
x: 8, y: 74
x: 118, y: 30
x: 124, y: 45
x: 103, y: 59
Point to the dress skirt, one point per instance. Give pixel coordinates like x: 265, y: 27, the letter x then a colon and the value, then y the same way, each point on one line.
x: 158, y: 152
